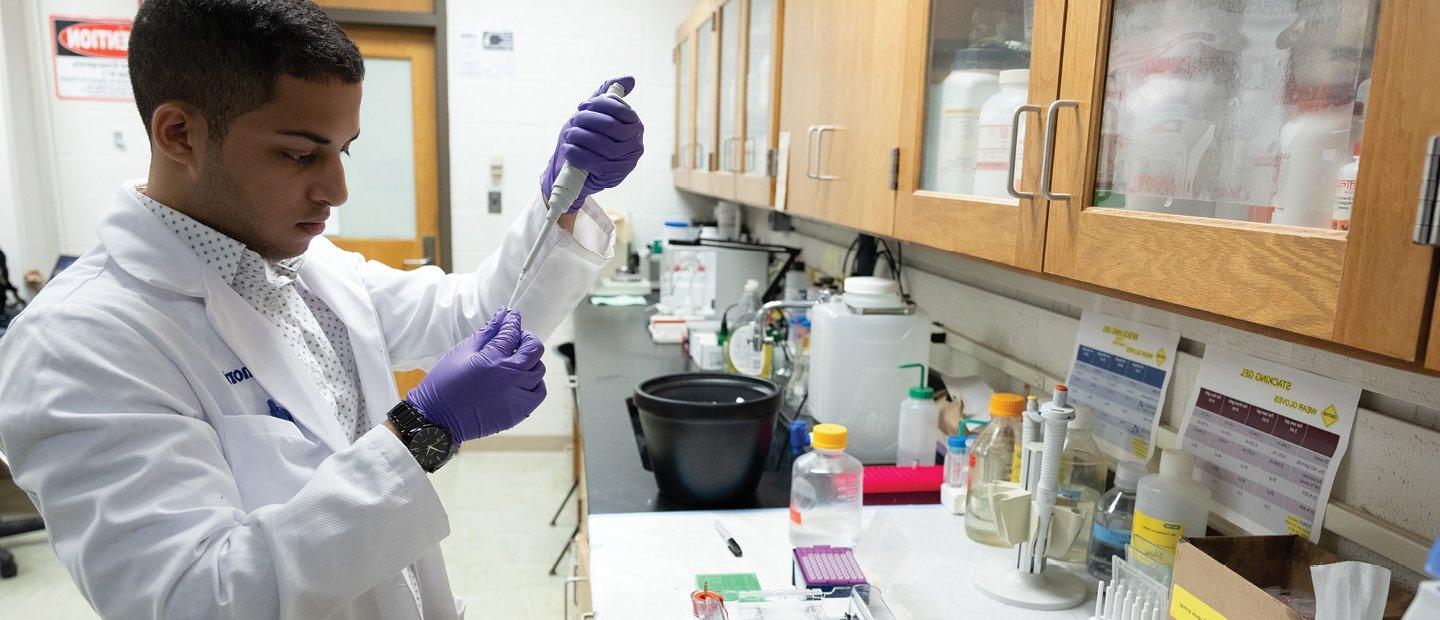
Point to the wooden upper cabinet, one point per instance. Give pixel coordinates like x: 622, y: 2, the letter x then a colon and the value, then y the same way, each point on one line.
x: 840, y: 105
x: 1200, y: 152
x: 727, y: 105
x: 695, y: 98
x: 758, y: 96
x: 683, y: 160
x: 977, y: 72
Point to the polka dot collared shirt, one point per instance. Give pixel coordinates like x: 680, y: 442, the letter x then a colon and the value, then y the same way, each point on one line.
x: 309, y: 327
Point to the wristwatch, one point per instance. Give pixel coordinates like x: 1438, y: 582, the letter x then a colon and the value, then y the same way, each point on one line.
x: 429, y: 443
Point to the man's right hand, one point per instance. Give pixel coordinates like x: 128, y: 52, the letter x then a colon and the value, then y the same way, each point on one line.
x: 488, y: 383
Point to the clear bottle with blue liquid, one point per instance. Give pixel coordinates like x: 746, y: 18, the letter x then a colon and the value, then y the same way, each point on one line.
x: 1113, y: 516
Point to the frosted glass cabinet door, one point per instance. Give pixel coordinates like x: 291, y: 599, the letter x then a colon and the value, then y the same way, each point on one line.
x: 973, y: 95
x: 728, y: 115
x: 1252, y: 159
x: 755, y: 185
x: 706, y: 98
x: 684, y: 107
x: 1250, y: 111
x: 380, y: 170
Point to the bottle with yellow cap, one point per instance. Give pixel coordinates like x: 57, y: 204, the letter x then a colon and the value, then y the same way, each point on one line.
x: 825, y: 492
x: 991, y: 466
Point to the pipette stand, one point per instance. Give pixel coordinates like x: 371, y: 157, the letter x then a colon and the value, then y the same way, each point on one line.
x: 1028, y: 585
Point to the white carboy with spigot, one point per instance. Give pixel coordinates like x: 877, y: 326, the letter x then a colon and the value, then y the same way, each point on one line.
x: 1027, y: 584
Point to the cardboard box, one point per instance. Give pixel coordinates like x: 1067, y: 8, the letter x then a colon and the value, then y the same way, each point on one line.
x: 1223, y: 577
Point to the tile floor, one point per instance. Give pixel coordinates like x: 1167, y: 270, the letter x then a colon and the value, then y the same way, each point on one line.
x: 498, y: 552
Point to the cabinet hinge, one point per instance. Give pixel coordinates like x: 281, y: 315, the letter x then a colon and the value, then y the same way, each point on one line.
x: 772, y: 163
x: 1427, y: 215
x: 895, y: 168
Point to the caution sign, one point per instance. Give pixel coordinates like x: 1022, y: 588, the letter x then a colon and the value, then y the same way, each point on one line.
x: 90, y: 58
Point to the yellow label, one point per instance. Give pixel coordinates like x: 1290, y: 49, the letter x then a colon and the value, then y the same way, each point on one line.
x: 1140, y: 447
x: 1015, y: 464
x: 1296, y: 526
x: 1155, y: 539
x: 1330, y: 416
x: 1186, y: 606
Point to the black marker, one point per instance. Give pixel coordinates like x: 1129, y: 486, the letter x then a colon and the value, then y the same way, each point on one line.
x: 729, y: 540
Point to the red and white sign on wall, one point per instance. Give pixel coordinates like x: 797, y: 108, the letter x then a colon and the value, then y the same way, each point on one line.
x: 91, y: 58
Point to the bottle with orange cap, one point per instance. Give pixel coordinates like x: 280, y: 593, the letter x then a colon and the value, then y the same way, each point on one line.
x: 991, y: 465
x: 826, y: 492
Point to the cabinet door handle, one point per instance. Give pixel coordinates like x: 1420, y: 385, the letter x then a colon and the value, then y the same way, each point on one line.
x: 749, y: 151
x: 1014, y: 140
x: 810, y: 151
x: 1048, y: 162
x: 820, y: 148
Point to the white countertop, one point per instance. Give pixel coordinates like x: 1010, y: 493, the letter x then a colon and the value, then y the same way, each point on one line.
x: 643, y: 565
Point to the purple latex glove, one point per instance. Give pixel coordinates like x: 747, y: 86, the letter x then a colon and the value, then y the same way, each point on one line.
x: 488, y: 383
x: 605, y: 138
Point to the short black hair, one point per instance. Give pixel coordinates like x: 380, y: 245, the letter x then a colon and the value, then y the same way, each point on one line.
x: 224, y: 56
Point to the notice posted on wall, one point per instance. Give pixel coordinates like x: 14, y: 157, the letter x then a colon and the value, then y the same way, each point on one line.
x: 1121, y: 370
x: 90, y: 58
x: 487, y: 54
x: 1268, y: 440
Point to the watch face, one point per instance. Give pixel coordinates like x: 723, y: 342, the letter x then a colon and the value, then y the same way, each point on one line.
x: 431, y: 446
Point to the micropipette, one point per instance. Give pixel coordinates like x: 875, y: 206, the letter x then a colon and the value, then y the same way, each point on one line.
x: 563, y: 193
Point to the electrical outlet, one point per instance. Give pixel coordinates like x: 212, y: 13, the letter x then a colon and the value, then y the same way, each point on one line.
x: 494, y: 202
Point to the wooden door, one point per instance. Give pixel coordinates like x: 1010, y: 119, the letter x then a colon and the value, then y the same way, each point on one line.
x: 845, y: 122
x: 760, y: 56
x: 1225, y: 215
x: 393, y: 213
x: 960, y: 104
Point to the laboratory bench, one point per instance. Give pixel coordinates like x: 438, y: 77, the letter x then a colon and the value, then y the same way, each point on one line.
x: 637, y: 552
x: 644, y: 565
x: 614, y: 353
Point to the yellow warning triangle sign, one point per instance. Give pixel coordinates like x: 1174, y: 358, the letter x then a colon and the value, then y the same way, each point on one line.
x: 1160, y: 356
x: 1330, y: 415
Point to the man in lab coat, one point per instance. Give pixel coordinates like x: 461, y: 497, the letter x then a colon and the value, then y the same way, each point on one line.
x: 202, y: 407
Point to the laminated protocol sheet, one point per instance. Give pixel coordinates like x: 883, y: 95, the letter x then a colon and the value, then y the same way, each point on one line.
x: 1268, y: 439
x: 1121, y: 369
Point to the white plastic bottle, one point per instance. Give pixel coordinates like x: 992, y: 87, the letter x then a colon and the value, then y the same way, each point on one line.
x: 1169, y: 506
x: 729, y: 219
x: 1345, y: 195
x: 919, y: 421
x: 992, y: 154
x: 825, y: 492
x: 964, y: 91
x: 1155, y: 171
x: 1312, y: 148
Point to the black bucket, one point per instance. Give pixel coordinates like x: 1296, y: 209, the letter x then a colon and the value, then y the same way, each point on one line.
x: 705, y: 435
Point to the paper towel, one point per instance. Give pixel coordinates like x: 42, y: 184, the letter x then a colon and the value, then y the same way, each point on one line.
x: 1350, y: 591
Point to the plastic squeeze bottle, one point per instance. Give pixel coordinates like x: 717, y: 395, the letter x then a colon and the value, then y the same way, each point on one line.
x: 1169, y: 506
x: 919, y: 419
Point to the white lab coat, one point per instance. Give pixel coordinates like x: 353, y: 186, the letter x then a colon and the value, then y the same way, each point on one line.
x: 169, y: 490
